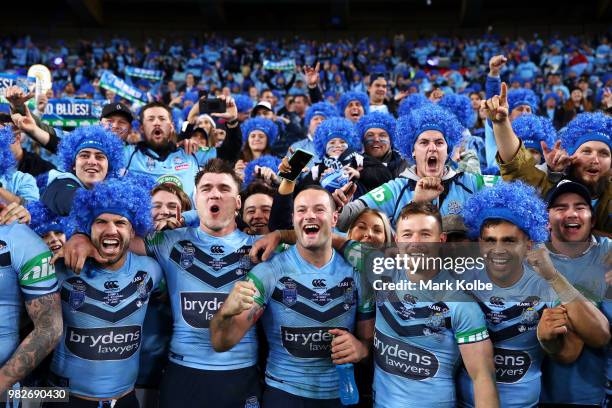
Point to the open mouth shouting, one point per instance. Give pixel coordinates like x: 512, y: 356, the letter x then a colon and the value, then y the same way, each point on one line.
x: 354, y: 114
x: 311, y: 230
x: 55, y: 247
x: 432, y: 163
x: 214, y: 209
x: 572, y: 229
x: 111, y: 246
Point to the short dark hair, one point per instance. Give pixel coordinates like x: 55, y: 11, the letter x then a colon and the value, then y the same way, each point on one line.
x: 154, y: 104
x: 256, y: 187
x: 492, y: 222
x: 416, y: 208
x: 218, y: 166
x: 375, y: 76
x: 176, y: 190
x: 5, y: 118
x: 317, y: 187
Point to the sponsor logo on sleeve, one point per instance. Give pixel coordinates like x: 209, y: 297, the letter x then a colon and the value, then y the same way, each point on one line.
x: 381, y: 194
x: 307, y: 342
x: 37, y: 270
x: 402, y: 359
x: 104, y: 343
x: 199, y: 308
x: 510, y: 365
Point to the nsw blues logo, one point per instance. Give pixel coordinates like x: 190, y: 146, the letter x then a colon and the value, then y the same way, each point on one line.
x: 435, y: 324
x: 141, y: 289
x: 251, y: 402
x: 290, y: 294
x: 349, y: 296
x: 187, y: 257
x: 77, y: 295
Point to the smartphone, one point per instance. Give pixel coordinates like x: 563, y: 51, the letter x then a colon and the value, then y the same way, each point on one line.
x: 298, y: 161
x: 212, y: 105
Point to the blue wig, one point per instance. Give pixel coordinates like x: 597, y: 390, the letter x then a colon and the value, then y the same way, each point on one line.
x: 552, y: 95
x: 44, y: 220
x: 95, y: 137
x: 428, y: 117
x: 347, y: 97
x: 7, y: 160
x: 410, y: 103
x: 325, y: 109
x: 243, y: 103
x: 586, y: 127
x: 125, y: 197
x: 379, y: 120
x: 533, y: 129
x: 522, y: 96
x: 461, y: 107
x: 269, y: 161
x: 515, y: 202
x: 336, y: 128
x: 259, y: 123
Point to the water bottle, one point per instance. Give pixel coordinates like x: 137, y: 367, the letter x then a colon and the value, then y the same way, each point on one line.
x: 349, y: 394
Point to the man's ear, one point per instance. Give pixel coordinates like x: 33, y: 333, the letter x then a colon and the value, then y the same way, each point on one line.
x: 334, y: 218
x: 443, y: 237
x: 238, y: 202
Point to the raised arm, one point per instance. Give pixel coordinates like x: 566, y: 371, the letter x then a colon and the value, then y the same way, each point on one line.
x: 46, y: 314
x: 498, y: 112
x: 237, y: 315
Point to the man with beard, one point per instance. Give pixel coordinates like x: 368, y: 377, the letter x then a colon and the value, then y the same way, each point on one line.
x: 522, y: 307
x: 584, y: 156
x: 104, y: 305
x: 305, y: 293
x: 428, y: 134
x: 583, y: 260
x: 158, y: 154
x: 201, y: 264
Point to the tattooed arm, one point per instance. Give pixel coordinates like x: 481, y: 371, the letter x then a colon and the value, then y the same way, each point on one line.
x: 237, y: 315
x: 46, y: 313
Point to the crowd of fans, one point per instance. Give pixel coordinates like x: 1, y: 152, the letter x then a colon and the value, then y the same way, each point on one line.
x: 500, y: 141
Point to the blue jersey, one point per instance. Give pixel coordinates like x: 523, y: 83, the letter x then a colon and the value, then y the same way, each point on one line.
x: 200, y: 272
x: 25, y: 274
x: 416, y: 345
x: 587, y: 274
x: 302, y: 303
x: 23, y: 185
x: 142, y: 160
x: 103, y: 313
x: 512, y: 316
x: 394, y: 195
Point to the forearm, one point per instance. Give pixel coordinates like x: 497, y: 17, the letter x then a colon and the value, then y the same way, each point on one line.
x: 9, y: 197
x: 485, y: 390
x: 224, y: 334
x: 587, y: 321
x: 507, y: 142
x: 45, y: 312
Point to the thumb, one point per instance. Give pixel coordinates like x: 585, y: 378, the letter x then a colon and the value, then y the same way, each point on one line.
x: 55, y: 257
x: 336, y: 332
x: 544, y: 148
x: 27, y: 111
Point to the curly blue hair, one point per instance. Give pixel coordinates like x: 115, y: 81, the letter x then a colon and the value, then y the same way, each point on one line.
x: 428, y: 117
x: 43, y: 219
x: 262, y: 124
x: 461, y: 107
x: 522, y: 96
x: 586, y: 127
x: 335, y: 128
x: 7, y: 160
x: 122, y: 196
x: 379, y: 120
x: 325, y: 109
x: 347, y: 97
x: 410, y: 103
x: 269, y: 161
x: 533, y: 129
x: 243, y: 103
x: 95, y: 137
x: 515, y: 202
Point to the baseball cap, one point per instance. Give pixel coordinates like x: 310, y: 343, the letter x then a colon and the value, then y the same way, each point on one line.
x: 567, y: 186
x: 117, y: 109
x: 262, y: 105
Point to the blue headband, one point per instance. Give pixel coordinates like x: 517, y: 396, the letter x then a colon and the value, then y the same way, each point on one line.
x: 589, y: 137
x: 91, y: 144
